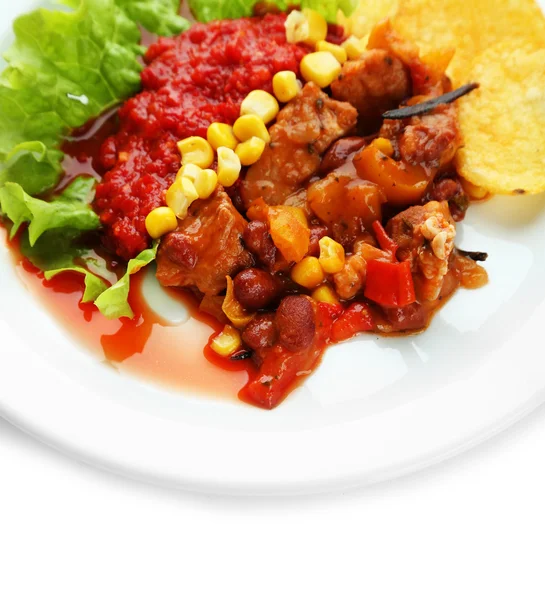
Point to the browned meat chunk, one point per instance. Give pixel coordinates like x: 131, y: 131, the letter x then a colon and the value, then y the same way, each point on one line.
x: 404, y: 229
x: 431, y: 139
x: 304, y: 130
x: 425, y: 236
x: 206, y: 247
x: 374, y: 83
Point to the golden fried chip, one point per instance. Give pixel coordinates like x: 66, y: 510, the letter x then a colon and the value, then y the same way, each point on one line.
x: 366, y: 16
x: 503, y: 122
x: 470, y: 26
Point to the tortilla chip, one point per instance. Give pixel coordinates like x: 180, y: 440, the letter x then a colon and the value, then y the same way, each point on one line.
x: 501, y: 45
x: 503, y: 122
x: 469, y: 26
x: 366, y: 16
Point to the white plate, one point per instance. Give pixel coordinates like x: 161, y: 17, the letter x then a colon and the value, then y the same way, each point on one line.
x: 374, y: 409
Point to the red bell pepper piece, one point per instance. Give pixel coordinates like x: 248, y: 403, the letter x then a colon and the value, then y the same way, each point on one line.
x: 390, y: 284
x: 355, y: 319
x: 384, y: 240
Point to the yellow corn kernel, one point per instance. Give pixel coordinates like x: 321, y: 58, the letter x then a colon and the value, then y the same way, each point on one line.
x: 250, y: 151
x: 227, y: 342
x: 384, y: 145
x: 286, y: 86
x: 305, y: 26
x: 196, y: 150
x: 324, y: 293
x: 317, y: 26
x: 338, y: 51
x: 206, y: 183
x: 260, y: 103
x: 249, y: 126
x: 160, y: 221
x: 188, y: 188
x: 308, y: 272
x: 180, y: 195
x: 233, y: 309
x: 221, y: 134
x: 296, y: 26
x: 354, y: 47
x: 228, y: 166
x: 322, y: 68
x: 331, y: 255
x: 190, y: 171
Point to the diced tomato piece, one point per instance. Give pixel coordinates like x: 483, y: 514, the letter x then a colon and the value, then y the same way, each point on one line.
x: 355, y: 319
x: 390, y: 284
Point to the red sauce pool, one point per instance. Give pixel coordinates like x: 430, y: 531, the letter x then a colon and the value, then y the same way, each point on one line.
x: 145, y: 346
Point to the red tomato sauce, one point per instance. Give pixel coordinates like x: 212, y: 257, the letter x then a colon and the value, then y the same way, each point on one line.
x: 190, y: 81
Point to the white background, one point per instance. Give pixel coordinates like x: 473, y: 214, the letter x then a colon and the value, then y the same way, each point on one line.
x: 471, y: 528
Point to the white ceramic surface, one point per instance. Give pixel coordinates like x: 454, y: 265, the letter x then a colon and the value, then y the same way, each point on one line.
x: 374, y: 409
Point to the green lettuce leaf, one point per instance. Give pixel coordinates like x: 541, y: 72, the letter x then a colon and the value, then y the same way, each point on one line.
x: 71, y: 210
x: 64, y: 69
x: 209, y: 10
x: 51, y: 241
x: 56, y: 249
x: 33, y: 163
x: 158, y: 16
x: 114, y: 302
x: 94, y: 286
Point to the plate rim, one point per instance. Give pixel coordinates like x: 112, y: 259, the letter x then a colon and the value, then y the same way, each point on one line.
x: 61, y: 426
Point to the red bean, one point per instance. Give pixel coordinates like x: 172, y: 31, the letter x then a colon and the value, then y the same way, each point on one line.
x: 451, y: 191
x: 316, y: 233
x: 258, y: 240
x: 260, y: 332
x: 256, y: 289
x: 339, y: 152
x: 295, y: 323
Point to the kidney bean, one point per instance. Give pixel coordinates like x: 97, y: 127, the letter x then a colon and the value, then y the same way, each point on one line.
x: 258, y: 240
x: 339, y: 152
x: 260, y: 332
x: 256, y: 289
x: 316, y: 233
x: 295, y: 323
x: 451, y: 191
